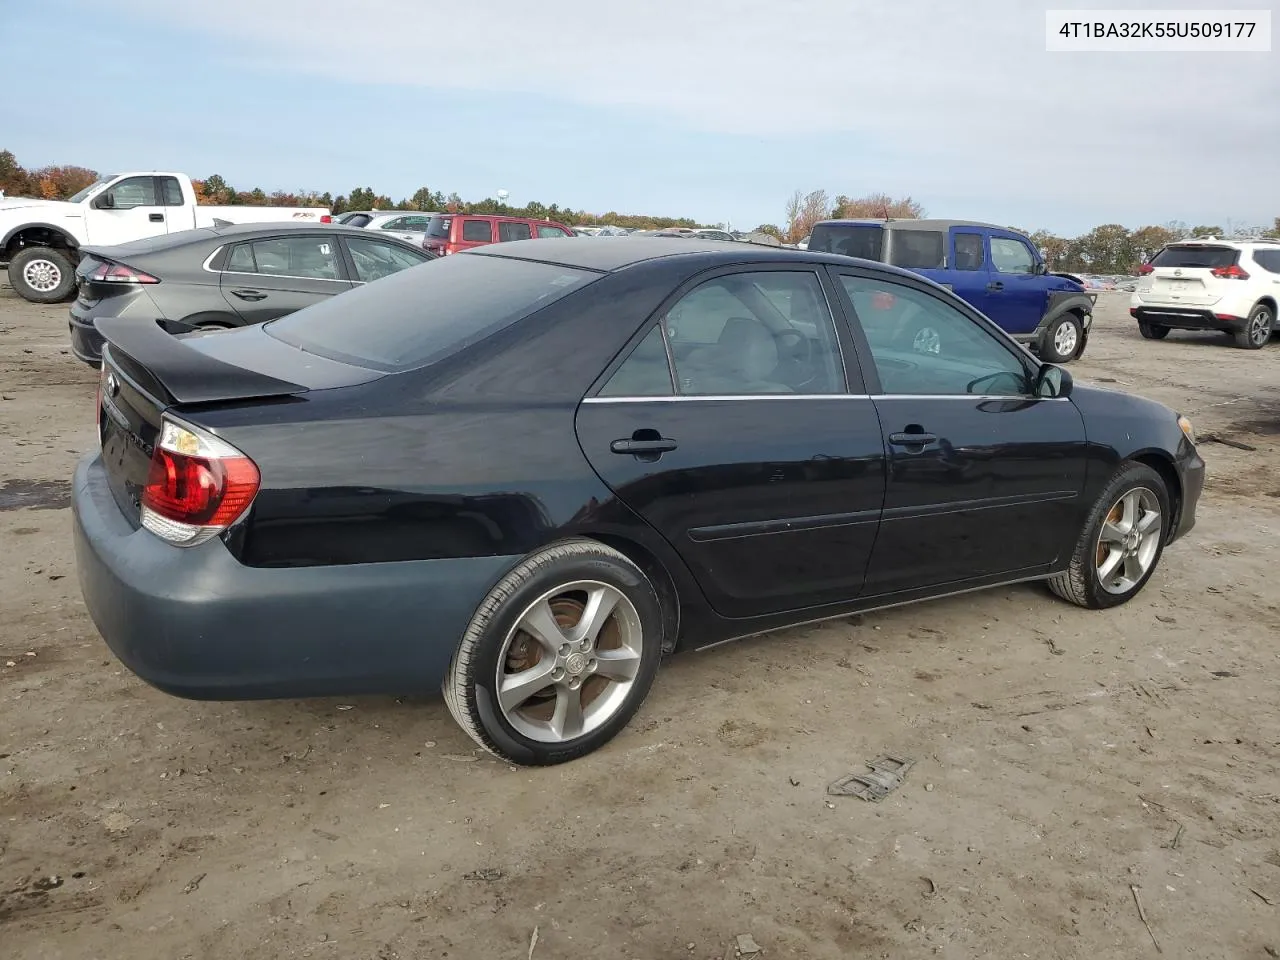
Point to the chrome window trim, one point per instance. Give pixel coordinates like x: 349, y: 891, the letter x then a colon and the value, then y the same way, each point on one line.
x: 973, y: 397
x: 270, y: 276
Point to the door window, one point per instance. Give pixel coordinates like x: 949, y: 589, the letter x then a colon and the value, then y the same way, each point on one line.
x: 739, y: 335
x: 1268, y: 260
x: 477, y: 231
x: 133, y: 192
x: 171, y: 191
x: 1011, y: 256
x: 969, y: 254
x: 545, y: 231
x: 374, y: 259
x: 922, y: 345
x: 645, y: 373
x: 513, y: 230
x: 309, y: 258
x: 918, y: 249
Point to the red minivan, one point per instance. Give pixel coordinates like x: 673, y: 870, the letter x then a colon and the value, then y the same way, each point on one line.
x: 454, y: 232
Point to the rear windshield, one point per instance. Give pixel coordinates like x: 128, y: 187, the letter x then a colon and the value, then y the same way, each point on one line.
x: 425, y: 313
x: 918, y: 249
x: 439, y: 227
x: 1195, y: 256
x: 865, y: 241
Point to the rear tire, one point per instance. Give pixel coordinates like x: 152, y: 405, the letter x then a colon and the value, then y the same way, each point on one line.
x: 1152, y: 331
x: 1062, y: 340
x: 559, y: 656
x: 1121, y: 543
x: 43, y: 274
x: 1257, y: 329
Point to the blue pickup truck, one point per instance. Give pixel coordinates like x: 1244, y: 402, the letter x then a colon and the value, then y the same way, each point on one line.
x: 997, y: 270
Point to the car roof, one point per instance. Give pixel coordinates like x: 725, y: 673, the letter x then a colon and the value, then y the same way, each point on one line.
x: 235, y: 231
x: 911, y: 224
x: 282, y: 226
x: 618, y: 253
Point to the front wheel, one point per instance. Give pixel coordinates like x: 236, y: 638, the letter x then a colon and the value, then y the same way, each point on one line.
x: 1257, y: 329
x: 1152, y: 331
x: 1062, y: 340
x: 559, y: 656
x: 42, y: 274
x: 1122, y: 541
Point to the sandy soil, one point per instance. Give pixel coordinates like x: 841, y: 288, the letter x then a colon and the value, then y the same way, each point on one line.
x: 1064, y: 759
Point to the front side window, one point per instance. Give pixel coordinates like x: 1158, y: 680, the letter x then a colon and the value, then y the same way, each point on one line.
x: 509, y: 230
x: 746, y: 334
x: 308, y: 258
x: 133, y: 192
x: 546, y: 231
x: 1011, y: 256
x: 922, y: 345
x: 375, y: 259
x: 477, y: 231
x: 969, y: 255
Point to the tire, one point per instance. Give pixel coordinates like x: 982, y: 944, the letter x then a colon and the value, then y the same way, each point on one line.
x: 1152, y: 331
x: 42, y: 274
x: 565, y: 580
x: 1081, y: 583
x: 1257, y: 329
x: 1062, y: 340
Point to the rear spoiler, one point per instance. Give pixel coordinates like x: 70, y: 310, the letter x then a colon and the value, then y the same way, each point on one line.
x: 185, y: 375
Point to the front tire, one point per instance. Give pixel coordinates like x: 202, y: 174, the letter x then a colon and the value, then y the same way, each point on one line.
x: 1122, y: 541
x: 1063, y: 340
x: 42, y: 275
x: 1257, y: 329
x: 1152, y: 331
x: 559, y: 656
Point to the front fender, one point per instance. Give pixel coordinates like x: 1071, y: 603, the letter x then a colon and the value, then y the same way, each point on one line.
x: 1068, y: 301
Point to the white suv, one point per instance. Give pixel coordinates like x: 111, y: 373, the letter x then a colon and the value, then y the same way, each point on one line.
x: 1211, y: 284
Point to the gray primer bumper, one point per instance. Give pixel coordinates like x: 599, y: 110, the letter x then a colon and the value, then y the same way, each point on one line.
x: 196, y: 623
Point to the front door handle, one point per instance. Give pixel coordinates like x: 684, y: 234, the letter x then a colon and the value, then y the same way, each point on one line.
x: 156, y: 217
x: 995, y: 286
x: 250, y: 294
x: 642, y: 447
x: 911, y: 439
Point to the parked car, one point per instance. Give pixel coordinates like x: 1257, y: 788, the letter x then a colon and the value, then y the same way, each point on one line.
x: 1232, y: 286
x: 407, y: 226
x: 471, y: 476
x: 997, y: 270
x: 223, y: 277
x: 709, y: 233
x: 452, y: 233
x: 41, y: 240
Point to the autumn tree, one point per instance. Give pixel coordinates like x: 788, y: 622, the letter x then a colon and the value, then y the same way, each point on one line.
x: 878, y: 206
x: 804, y: 210
x: 770, y: 229
x: 13, y: 179
x: 1203, y: 231
x: 58, y: 183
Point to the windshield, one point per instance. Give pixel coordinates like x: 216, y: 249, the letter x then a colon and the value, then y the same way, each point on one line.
x: 851, y: 240
x: 83, y: 194
x: 426, y: 313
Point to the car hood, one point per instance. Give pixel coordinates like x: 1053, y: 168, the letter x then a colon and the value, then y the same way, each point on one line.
x: 30, y: 206
x: 1097, y: 400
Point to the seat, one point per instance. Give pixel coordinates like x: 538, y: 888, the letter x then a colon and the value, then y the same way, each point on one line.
x: 742, y: 360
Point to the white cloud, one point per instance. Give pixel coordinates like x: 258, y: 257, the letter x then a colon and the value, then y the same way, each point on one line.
x: 962, y: 96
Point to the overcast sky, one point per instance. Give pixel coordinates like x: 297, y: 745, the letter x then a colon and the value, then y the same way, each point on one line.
x: 715, y: 109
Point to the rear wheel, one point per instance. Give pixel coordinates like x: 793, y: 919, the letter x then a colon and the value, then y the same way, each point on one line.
x: 1121, y: 543
x: 559, y: 656
x: 1062, y: 340
x: 1152, y: 331
x: 42, y: 274
x: 1257, y: 329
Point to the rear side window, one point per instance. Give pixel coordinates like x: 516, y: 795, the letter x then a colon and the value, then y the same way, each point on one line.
x: 550, y: 232
x: 918, y: 249
x: 307, y: 258
x: 1195, y: 256
x: 417, y: 317
x: 438, y: 228
x: 477, y: 231
x: 865, y: 241
x: 513, y: 230
x: 171, y: 191
x: 969, y: 255
x: 1268, y: 260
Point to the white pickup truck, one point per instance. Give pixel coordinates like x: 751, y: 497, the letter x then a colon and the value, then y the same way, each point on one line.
x: 40, y: 239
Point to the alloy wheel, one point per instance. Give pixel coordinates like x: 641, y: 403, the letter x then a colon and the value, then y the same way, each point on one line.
x: 1065, y: 339
x: 1129, y: 540
x: 42, y: 276
x: 1260, y: 326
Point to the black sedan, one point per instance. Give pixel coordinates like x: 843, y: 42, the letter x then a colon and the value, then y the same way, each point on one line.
x: 528, y: 472
x: 223, y: 277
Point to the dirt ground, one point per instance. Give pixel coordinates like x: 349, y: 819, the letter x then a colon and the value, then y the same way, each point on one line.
x: 1064, y: 758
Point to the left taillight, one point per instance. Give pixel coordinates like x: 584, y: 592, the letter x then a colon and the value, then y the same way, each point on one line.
x: 119, y: 273
x: 198, y: 485
x: 325, y: 218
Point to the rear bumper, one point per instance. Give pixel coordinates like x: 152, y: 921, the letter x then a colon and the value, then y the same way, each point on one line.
x: 196, y: 623
x: 86, y: 342
x: 1188, y: 318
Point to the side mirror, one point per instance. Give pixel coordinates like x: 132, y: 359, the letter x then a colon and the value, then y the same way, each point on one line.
x: 1052, y: 381
x: 1040, y: 269
x: 104, y: 201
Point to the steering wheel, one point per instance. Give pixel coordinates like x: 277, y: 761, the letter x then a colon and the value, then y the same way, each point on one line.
x: 989, y: 378
x: 795, y: 358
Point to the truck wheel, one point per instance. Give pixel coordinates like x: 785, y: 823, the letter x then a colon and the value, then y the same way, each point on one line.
x: 1063, y: 339
x: 1152, y: 331
x: 42, y: 275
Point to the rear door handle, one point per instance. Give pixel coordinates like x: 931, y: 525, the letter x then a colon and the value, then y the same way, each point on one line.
x: 156, y: 217
x: 250, y: 294
x: 642, y: 447
x: 911, y: 439
x: 995, y: 286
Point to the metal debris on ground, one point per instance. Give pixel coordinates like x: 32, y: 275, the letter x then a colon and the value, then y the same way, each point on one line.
x: 1227, y: 442
x: 887, y: 774
x: 194, y: 883
x: 1173, y: 844
x: 1142, y: 915
x: 487, y: 874
x: 746, y: 946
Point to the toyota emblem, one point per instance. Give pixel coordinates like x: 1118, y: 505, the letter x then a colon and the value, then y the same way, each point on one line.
x: 112, y: 385
x: 1177, y: 273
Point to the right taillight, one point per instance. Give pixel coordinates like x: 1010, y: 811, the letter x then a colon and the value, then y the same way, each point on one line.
x: 1145, y: 269
x: 1233, y: 272
x: 197, y: 487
